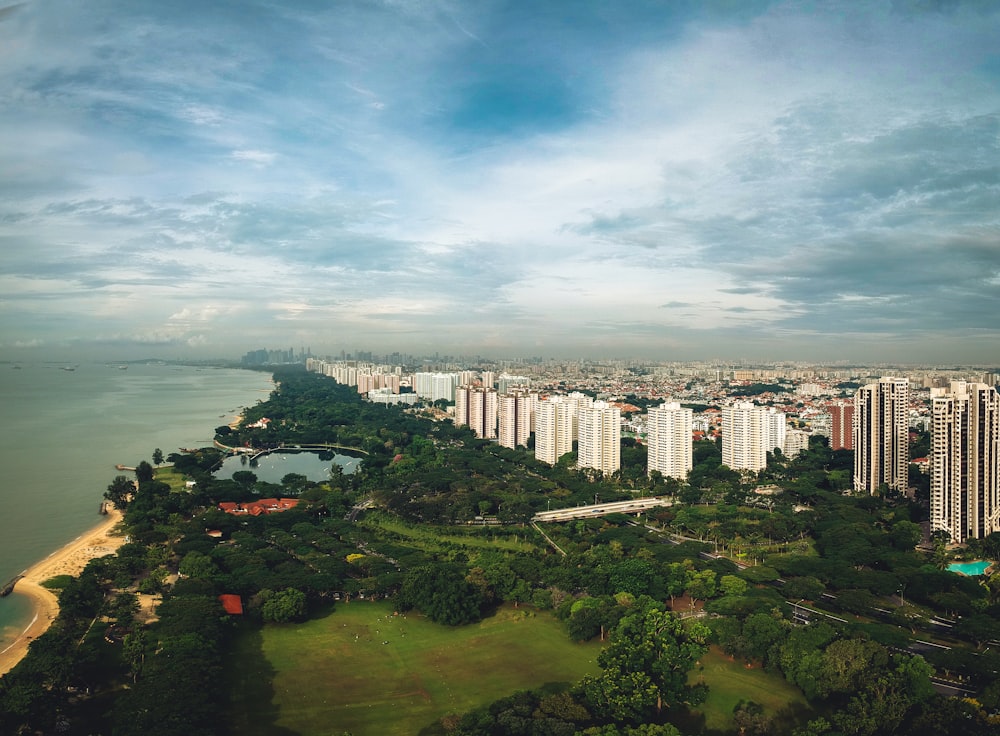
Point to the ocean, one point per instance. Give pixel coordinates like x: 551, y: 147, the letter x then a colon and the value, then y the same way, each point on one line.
x: 63, y: 431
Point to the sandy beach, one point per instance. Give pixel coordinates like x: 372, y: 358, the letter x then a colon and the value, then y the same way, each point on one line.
x: 70, y: 560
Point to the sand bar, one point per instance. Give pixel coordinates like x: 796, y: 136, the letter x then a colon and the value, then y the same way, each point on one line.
x: 70, y: 560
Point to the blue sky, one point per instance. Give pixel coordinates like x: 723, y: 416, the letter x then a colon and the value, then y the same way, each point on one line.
x: 664, y: 180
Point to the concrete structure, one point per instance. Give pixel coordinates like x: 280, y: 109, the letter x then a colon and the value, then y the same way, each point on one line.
x: 881, y: 436
x: 796, y: 441
x: 749, y: 432
x: 514, y: 418
x: 841, y: 425
x: 476, y: 407
x: 965, y: 461
x: 668, y: 436
x: 599, y: 437
x: 553, y: 429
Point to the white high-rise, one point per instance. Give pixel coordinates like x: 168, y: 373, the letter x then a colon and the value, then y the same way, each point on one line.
x: 553, y: 429
x: 965, y: 461
x: 668, y: 436
x: 476, y: 407
x: 599, y: 437
x: 514, y: 419
x: 749, y: 432
x: 881, y: 435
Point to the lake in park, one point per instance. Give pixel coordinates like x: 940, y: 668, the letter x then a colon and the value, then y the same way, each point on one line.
x: 274, y: 466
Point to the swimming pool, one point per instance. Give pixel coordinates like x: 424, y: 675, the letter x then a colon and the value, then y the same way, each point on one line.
x: 972, y: 569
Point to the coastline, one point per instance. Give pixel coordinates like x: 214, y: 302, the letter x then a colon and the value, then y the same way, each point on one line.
x: 70, y: 559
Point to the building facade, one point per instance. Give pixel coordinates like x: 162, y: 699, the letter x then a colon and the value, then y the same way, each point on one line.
x: 668, y: 437
x: 749, y: 432
x: 476, y: 408
x: 841, y: 426
x: 965, y: 461
x: 599, y: 437
x: 881, y: 435
x: 514, y: 419
x: 553, y: 429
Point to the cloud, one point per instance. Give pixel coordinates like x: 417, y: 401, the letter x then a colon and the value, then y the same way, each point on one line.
x: 693, y: 179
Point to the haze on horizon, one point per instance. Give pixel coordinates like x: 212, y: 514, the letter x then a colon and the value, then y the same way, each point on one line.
x: 684, y: 180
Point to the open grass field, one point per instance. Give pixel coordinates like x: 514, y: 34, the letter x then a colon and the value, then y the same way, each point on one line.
x: 363, y: 670
x: 171, y: 477
x: 729, y: 682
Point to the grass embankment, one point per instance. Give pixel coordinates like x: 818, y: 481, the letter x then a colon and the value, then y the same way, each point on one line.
x: 439, y: 539
x: 363, y: 670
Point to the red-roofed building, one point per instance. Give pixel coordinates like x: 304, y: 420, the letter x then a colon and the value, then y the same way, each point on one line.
x: 258, y: 508
x: 232, y: 604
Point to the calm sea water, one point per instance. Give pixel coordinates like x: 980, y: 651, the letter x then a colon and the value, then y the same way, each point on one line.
x: 62, y: 432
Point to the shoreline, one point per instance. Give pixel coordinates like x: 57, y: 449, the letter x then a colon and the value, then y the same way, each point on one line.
x: 70, y: 559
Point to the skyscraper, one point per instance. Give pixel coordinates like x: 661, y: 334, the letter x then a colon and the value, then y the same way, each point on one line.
x: 476, y: 407
x: 881, y: 435
x: 599, y: 437
x: 553, y: 429
x: 841, y: 425
x: 668, y: 435
x: 965, y: 461
x: 749, y: 432
x: 514, y: 419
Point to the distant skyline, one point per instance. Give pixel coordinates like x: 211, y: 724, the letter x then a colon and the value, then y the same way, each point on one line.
x: 663, y: 180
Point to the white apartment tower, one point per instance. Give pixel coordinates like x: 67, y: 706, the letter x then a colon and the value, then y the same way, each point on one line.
x: 881, y: 435
x: 476, y: 407
x: 668, y: 435
x: 965, y: 461
x: 514, y: 419
x: 553, y: 429
x: 599, y: 437
x: 749, y: 432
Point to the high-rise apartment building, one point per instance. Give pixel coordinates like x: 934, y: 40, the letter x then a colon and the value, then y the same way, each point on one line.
x: 476, y: 407
x: 514, y: 418
x: 841, y: 425
x: 668, y: 436
x: 749, y: 432
x: 965, y: 461
x: 599, y: 437
x: 553, y: 429
x: 881, y: 432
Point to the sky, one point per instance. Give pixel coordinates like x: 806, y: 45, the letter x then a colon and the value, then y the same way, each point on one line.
x: 667, y: 180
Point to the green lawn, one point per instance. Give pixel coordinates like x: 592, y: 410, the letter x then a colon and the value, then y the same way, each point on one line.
x: 363, y: 670
x: 167, y: 474
x: 730, y: 681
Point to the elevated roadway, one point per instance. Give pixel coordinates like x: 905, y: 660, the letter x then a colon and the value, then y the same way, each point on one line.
x: 633, y: 506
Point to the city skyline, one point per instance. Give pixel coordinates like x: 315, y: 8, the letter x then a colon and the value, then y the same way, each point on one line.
x: 681, y: 181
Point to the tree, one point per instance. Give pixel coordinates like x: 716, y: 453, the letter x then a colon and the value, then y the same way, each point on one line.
x: 283, y: 606
x: 646, y: 665
x: 144, y: 472
x: 245, y: 478
x: 158, y: 456
x: 701, y: 586
x: 120, y: 492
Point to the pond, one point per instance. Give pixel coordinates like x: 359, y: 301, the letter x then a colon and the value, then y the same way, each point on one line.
x: 274, y: 466
x: 972, y: 569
